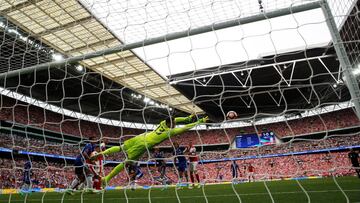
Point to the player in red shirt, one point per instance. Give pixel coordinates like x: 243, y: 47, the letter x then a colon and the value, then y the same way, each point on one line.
x: 194, y: 159
x: 251, y: 171
x: 97, y: 166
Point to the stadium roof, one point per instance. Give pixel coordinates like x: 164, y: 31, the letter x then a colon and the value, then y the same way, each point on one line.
x: 139, y: 20
x: 270, y: 86
x: 71, y: 30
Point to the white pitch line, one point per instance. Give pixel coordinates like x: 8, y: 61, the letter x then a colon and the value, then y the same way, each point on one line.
x: 201, y: 196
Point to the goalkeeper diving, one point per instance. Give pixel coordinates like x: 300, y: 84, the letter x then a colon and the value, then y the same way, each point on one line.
x: 135, y: 147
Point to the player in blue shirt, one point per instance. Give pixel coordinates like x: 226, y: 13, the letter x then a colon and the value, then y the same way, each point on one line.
x: 82, y: 171
x: 235, y: 171
x: 27, y: 176
x: 180, y: 161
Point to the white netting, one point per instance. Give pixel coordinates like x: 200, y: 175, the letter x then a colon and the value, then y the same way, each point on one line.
x: 281, y: 75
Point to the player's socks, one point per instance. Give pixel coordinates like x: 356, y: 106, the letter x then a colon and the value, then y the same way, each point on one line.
x: 89, y: 182
x: 94, y: 191
x: 81, y: 186
x: 97, y: 184
x: 178, y: 185
x: 192, y: 178
x: 132, y: 185
x: 25, y: 187
x: 74, y: 183
x: 23, y: 192
x: 197, y: 178
x: 164, y: 187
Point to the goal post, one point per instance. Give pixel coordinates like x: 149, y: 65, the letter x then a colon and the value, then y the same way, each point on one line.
x: 350, y: 79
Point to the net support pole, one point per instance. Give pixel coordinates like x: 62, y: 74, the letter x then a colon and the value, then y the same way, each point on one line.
x: 172, y: 36
x: 351, y: 81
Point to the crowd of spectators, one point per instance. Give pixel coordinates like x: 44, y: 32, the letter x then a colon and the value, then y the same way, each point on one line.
x: 323, y: 164
x: 49, y: 174
x: 38, y: 145
x: 317, y: 123
x: 296, y: 146
x: 17, y: 142
x: 22, y: 113
x: 44, y: 174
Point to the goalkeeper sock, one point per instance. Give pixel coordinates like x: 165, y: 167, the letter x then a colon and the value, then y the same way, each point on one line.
x: 114, y: 172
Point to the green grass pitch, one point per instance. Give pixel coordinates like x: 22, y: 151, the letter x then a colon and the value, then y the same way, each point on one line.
x: 318, y: 190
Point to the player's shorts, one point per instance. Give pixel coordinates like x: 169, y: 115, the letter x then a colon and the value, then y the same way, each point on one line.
x: 193, y: 166
x: 250, y: 173
x: 182, y: 166
x: 79, y: 171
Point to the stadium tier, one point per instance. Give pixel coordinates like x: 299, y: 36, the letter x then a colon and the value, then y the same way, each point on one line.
x: 16, y: 142
x: 25, y: 114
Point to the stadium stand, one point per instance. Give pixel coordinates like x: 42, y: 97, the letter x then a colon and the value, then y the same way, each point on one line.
x: 18, y: 112
x: 35, y: 145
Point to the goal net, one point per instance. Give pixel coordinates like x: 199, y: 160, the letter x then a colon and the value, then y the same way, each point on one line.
x: 179, y: 101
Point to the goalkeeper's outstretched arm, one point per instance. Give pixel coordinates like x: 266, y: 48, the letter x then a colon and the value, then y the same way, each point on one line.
x: 185, y: 120
x: 177, y: 131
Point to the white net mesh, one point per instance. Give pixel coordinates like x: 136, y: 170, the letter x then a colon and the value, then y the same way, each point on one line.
x: 294, y: 134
